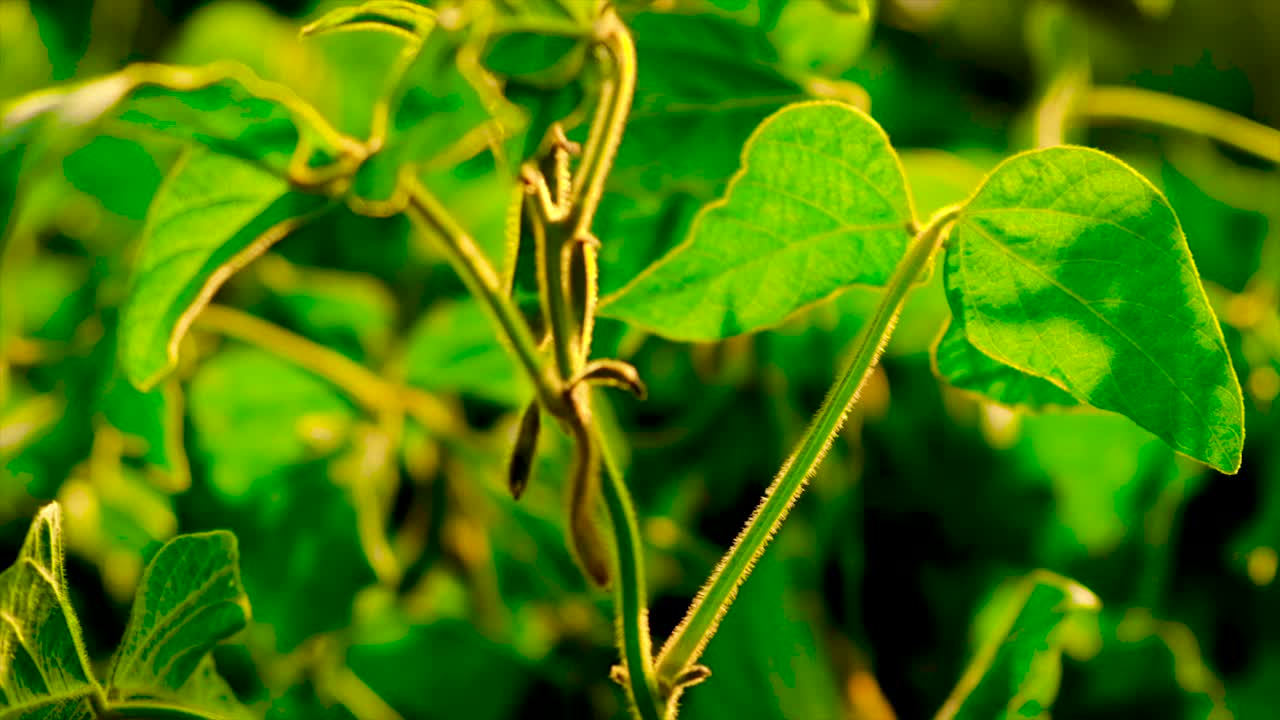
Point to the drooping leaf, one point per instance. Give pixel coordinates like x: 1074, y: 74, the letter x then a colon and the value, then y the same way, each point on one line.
x: 820, y: 204
x: 224, y: 107
x: 1016, y: 674
x: 1069, y: 266
x: 189, y: 600
x: 398, y: 17
x: 213, y: 215
x: 455, y: 349
x: 44, y: 668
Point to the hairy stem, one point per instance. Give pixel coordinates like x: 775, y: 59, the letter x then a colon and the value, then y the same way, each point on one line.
x: 690, y: 638
x: 1108, y: 104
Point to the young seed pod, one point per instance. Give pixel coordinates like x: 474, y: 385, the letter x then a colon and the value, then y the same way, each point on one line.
x: 522, y: 456
x: 587, y: 542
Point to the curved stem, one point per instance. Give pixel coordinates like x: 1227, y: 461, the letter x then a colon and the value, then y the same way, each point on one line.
x: 153, y: 711
x: 607, y: 127
x: 632, y: 615
x: 481, y: 279
x: 690, y: 638
x: 1106, y: 104
x: 362, y: 384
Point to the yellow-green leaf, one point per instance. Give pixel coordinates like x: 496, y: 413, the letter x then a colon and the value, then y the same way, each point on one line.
x: 1069, y: 266
x: 820, y: 204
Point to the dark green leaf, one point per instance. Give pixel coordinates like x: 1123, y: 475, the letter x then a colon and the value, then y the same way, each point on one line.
x: 189, y: 600
x: 820, y: 204
x: 1069, y: 266
x: 1017, y: 672
x: 213, y: 216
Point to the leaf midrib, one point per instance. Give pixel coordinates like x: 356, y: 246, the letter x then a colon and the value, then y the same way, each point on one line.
x: 1213, y: 437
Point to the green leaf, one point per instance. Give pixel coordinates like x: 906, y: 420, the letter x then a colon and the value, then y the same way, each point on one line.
x: 189, y: 600
x: 819, y: 204
x: 214, y: 215
x: 44, y: 673
x: 254, y: 413
x: 446, y: 109
x: 1016, y: 674
x: 224, y: 107
x: 767, y: 662
x: 686, y: 128
x: 1069, y: 266
x: 398, y: 17
x: 966, y: 367
x: 454, y: 349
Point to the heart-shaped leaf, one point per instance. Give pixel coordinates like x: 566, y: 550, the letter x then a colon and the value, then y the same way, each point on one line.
x: 1069, y: 266
x: 820, y: 204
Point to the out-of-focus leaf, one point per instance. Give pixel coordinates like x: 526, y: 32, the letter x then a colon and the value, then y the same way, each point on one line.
x: 1017, y: 672
x: 820, y: 204
x: 213, y: 215
x: 446, y: 109
x: 120, y: 174
x: 766, y: 662
x: 448, y: 655
x: 254, y: 413
x: 846, y: 29
x: 1069, y: 266
x: 351, y: 311
x: 398, y: 17
x: 454, y: 349
x: 686, y: 128
x: 46, y: 673
x: 189, y: 600
x: 223, y: 107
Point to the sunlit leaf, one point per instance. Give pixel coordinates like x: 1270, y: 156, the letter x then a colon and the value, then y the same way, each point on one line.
x: 1067, y: 265
x: 820, y: 204
x: 212, y: 216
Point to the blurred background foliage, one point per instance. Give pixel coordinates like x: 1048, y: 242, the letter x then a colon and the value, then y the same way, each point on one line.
x: 391, y: 574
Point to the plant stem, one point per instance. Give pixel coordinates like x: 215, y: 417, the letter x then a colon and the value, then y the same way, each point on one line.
x: 607, y: 127
x: 690, y: 638
x: 366, y: 387
x: 631, y: 612
x: 1104, y: 104
x: 481, y: 279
